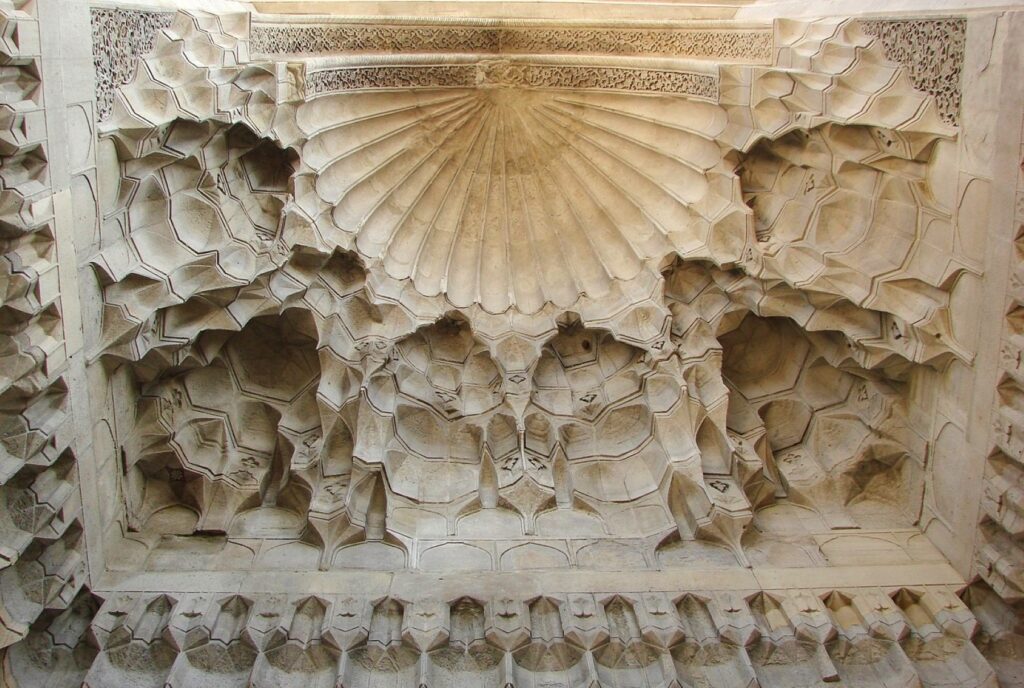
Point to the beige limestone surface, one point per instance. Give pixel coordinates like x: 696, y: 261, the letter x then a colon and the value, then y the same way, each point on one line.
x: 511, y: 344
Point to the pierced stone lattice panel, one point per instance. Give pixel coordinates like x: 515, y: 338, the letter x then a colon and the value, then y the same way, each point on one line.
x: 932, y: 50
x: 119, y: 37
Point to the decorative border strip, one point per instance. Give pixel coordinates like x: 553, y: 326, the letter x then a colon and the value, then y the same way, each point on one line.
x: 466, y: 636
x: 119, y: 38
x: 501, y: 73
x: 750, y: 45
x: 932, y: 53
x: 998, y: 547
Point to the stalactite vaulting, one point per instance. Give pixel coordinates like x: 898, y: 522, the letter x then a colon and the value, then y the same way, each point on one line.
x: 541, y: 346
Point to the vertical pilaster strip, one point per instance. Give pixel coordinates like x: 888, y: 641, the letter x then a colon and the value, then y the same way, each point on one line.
x: 68, y: 79
x: 999, y: 551
x: 44, y: 568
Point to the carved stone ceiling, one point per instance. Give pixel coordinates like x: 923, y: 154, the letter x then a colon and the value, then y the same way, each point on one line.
x: 459, y: 298
x: 521, y: 285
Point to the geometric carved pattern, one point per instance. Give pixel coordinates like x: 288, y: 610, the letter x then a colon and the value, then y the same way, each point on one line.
x: 503, y: 350
x: 42, y: 554
x: 488, y: 352
x: 846, y: 196
x: 407, y: 224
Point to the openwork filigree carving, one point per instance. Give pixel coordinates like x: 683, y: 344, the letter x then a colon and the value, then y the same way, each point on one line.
x: 932, y: 52
x: 747, y: 45
x: 119, y: 37
x: 512, y: 75
x: 277, y: 39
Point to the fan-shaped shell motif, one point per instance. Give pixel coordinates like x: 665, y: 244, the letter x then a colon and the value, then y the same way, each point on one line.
x: 516, y: 198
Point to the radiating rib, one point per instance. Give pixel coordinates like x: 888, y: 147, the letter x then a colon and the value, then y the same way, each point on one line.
x: 591, y: 275
x: 515, y: 198
x: 337, y: 142
x: 616, y: 254
x: 365, y: 193
x: 464, y: 257
x: 391, y: 213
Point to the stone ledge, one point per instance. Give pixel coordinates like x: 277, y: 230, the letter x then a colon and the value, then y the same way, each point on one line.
x: 532, y: 582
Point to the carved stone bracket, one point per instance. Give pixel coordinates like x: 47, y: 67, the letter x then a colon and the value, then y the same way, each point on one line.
x: 697, y: 638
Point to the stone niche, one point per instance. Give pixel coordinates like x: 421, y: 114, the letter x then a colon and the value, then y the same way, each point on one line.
x: 648, y: 351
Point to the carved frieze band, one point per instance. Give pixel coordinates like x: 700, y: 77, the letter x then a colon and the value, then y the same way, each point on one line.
x: 119, y: 38
x: 746, y: 45
x: 502, y: 73
x: 931, y: 51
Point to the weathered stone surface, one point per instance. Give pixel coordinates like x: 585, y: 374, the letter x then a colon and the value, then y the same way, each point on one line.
x: 407, y: 350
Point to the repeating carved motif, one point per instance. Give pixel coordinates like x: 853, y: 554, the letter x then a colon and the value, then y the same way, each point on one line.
x: 276, y: 39
x: 442, y: 321
x: 574, y: 639
x: 748, y: 46
x: 359, y: 78
x: 1000, y: 554
x: 42, y: 553
x: 932, y: 52
x: 119, y: 37
x: 752, y: 45
x: 513, y: 75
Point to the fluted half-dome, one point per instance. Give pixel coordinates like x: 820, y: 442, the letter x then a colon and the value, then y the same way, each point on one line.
x: 516, y: 198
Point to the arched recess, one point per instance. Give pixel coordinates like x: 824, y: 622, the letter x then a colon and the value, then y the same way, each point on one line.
x: 832, y: 434
x: 231, y: 437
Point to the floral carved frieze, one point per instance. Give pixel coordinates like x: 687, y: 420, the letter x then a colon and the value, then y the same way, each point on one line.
x: 507, y: 74
x: 119, y: 37
x: 932, y: 52
x: 744, y: 45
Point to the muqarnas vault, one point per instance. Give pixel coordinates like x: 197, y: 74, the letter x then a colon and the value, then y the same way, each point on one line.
x: 534, y: 347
